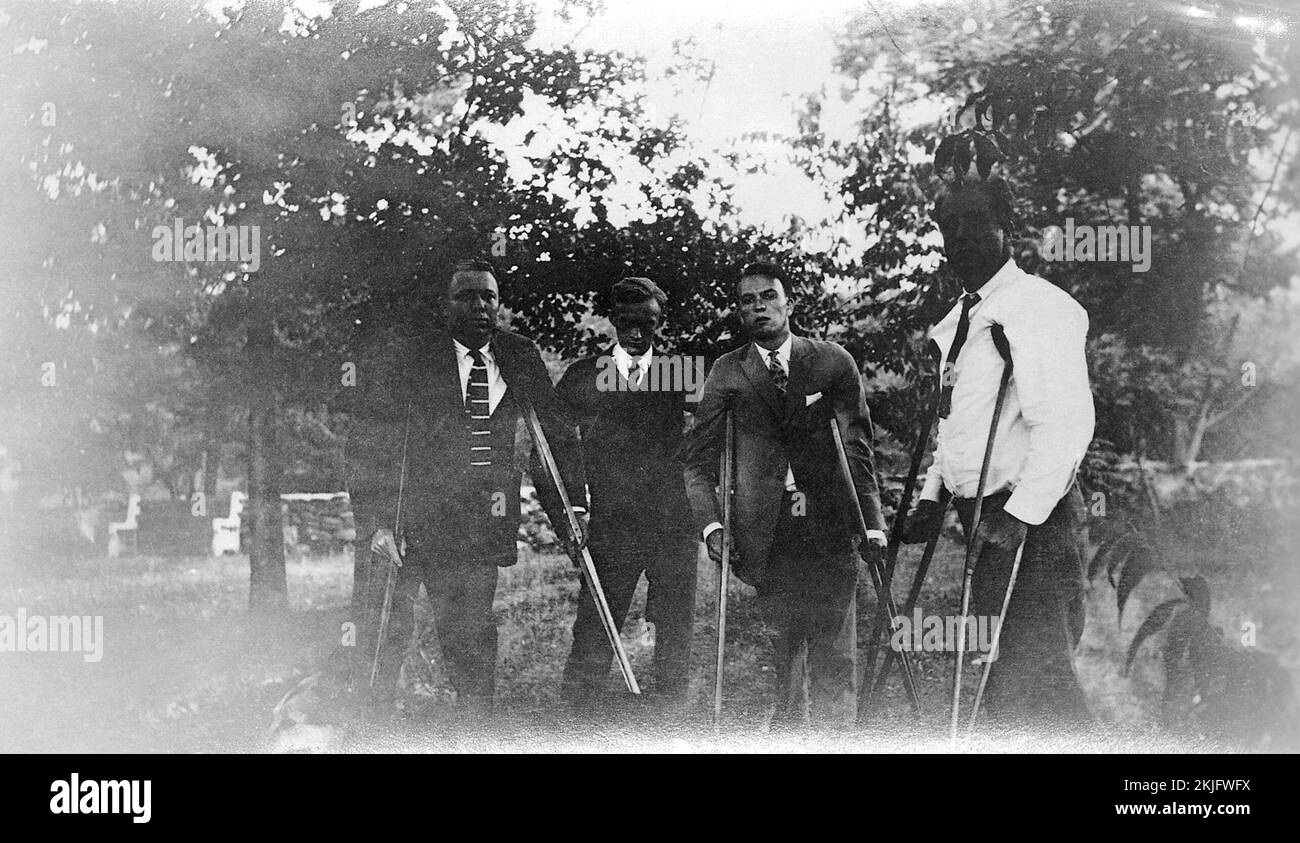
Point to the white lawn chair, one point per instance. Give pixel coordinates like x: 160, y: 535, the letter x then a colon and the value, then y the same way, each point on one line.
x: 130, y: 526
x: 225, y: 531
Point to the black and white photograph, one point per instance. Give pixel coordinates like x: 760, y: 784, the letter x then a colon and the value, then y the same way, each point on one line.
x: 908, y: 377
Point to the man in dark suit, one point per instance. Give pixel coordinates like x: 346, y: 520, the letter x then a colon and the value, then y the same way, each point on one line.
x: 452, y: 401
x: 630, y: 412
x: 794, y: 521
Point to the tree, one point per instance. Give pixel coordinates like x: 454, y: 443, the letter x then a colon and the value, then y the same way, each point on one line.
x: 370, y: 150
x: 1107, y: 113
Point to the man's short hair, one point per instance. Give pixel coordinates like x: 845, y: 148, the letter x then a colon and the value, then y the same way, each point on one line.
x: 766, y: 269
x: 998, y: 192
x: 472, y: 265
x: 634, y: 290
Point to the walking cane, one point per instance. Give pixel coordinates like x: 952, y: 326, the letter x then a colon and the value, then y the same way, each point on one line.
x: 883, y: 594
x: 968, y: 573
x: 997, y: 637
x: 581, y: 555
x: 390, y: 576
x: 912, y: 595
x: 724, y: 568
x: 367, y: 616
x: 896, y: 538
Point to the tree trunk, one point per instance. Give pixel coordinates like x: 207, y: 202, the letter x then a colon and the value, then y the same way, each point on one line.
x: 1181, y: 438
x: 267, y: 588
x: 211, y: 461
x: 1193, y: 450
x: 213, y: 436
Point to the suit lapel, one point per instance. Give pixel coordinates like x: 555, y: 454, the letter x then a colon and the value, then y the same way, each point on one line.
x: 432, y: 379
x: 800, y: 363
x: 443, y: 378
x: 509, y: 365
x: 755, y: 370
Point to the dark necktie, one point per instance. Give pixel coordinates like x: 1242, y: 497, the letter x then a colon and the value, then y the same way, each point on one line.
x: 949, y: 375
x: 634, y: 373
x: 477, y: 407
x: 774, y: 368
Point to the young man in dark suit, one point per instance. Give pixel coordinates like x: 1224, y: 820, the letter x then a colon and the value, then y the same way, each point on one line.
x: 629, y: 405
x: 794, y: 521
x: 452, y: 401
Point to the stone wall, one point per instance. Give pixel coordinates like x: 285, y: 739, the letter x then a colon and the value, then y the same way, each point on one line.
x: 321, y: 523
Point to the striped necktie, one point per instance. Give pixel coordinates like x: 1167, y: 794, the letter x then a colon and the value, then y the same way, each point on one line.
x: 779, y: 377
x: 477, y: 408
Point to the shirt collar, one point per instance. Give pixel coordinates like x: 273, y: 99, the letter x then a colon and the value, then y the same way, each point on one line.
x: 462, y: 350
x: 782, y: 352
x: 623, y: 358
x: 1000, y: 279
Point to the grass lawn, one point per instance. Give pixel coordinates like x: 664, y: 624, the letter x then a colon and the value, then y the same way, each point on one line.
x: 185, y: 668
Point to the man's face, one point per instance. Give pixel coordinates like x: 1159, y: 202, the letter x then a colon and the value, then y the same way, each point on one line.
x: 973, y: 239
x: 472, y: 303
x: 763, y: 307
x: 636, y: 325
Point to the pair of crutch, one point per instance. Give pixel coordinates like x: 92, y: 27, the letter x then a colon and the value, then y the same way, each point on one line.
x: 972, y: 556
x: 879, y: 578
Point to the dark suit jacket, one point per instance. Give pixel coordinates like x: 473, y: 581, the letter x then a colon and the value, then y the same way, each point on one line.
x: 449, y: 509
x: 631, y: 444
x: 771, y: 434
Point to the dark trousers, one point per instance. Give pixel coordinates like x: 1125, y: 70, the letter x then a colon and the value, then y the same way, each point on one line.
x: 1032, y: 681
x: 460, y: 597
x: 669, y: 563
x: 808, y: 604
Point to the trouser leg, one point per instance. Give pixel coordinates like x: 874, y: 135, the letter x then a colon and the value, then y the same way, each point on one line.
x: 461, y: 595
x: 670, y: 606
x: 587, y: 670
x: 832, y: 646
x: 784, y: 626
x: 812, y: 610
x: 1032, y: 681
x: 783, y: 607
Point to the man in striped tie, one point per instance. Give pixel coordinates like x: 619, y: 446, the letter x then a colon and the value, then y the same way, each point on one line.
x: 453, y: 400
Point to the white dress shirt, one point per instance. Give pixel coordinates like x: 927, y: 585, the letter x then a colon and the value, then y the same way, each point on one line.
x: 496, y: 384
x: 623, y: 362
x: 1047, y: 417
x: 783, y: 355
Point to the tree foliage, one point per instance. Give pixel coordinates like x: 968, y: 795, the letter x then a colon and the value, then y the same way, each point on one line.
x: 1112, y: 113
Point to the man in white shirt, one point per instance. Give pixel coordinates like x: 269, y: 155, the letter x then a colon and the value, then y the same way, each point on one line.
x: 1043, y: 432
